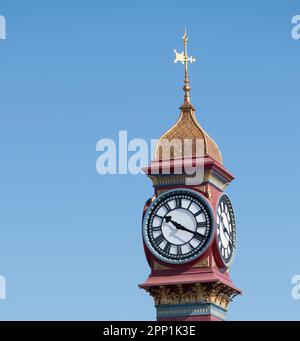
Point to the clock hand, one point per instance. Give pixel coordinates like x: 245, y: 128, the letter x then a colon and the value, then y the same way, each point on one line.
x: 229, y: 238
x: 177, y: 225
x: 226, y: 231
x: 180, y: 227
x: 168, y: 219
x: 222, y: 221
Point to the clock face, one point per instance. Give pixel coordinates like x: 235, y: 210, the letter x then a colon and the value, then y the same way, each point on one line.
x: 226, y: 230
x: 178, y: 226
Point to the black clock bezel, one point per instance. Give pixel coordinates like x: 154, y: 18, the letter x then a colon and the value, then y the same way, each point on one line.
x: 155, y: 206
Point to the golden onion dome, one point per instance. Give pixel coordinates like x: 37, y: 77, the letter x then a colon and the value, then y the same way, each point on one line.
x: 187, y: 127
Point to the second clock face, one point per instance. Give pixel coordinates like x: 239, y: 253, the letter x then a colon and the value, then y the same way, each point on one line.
x: 178, y: 226
x: 226, y: 230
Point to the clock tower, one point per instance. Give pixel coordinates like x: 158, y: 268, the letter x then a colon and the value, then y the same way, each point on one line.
x: 188, y: 228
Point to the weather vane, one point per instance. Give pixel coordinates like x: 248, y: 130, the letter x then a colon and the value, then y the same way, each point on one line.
x: 185, y: 59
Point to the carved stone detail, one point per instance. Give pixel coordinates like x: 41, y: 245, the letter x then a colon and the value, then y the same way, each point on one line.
x: 216, y: 293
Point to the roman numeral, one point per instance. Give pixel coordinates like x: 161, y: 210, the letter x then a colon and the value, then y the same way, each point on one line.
x: 156, y: 228
x: 178, y: 202
x: 231, y: 244
x: 167, y: 207
x: 198, y: 236
x: 197, y: 213
x: 167, y: 247
x: 201, y: 224
x: 229, y: 250
x: 191, y: 246
x: 159, y: 239
x: 179, y: 251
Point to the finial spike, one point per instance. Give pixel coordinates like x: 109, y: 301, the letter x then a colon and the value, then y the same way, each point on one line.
x: 185, y: 59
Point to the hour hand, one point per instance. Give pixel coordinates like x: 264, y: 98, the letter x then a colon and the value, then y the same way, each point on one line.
x: 229, y: 238
x: 177, y: 225
x: 182, y: 228
x: 168, y: 219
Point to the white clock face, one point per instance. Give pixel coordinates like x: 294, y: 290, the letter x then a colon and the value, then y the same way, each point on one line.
x: 178, y: 226
x: 226, y: 230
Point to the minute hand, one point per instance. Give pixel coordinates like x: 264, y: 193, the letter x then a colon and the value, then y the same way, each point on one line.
x: 226, y: 231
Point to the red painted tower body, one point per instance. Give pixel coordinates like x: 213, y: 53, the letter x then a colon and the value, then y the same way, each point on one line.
x: 189, y: 230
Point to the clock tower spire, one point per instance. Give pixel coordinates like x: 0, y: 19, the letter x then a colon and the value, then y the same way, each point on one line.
x: 185, y: 59
x: 189, y: 230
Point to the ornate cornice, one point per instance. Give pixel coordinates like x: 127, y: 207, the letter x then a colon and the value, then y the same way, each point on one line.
x: 214, y: 293
x: 163, y: 173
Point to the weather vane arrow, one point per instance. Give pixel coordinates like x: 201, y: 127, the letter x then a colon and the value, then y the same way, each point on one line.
x: 183, y: 58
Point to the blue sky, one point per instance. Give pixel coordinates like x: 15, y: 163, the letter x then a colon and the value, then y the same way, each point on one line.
x: 72, y: 72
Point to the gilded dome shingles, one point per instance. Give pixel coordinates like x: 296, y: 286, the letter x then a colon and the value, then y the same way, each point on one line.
x: 187, y: 127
